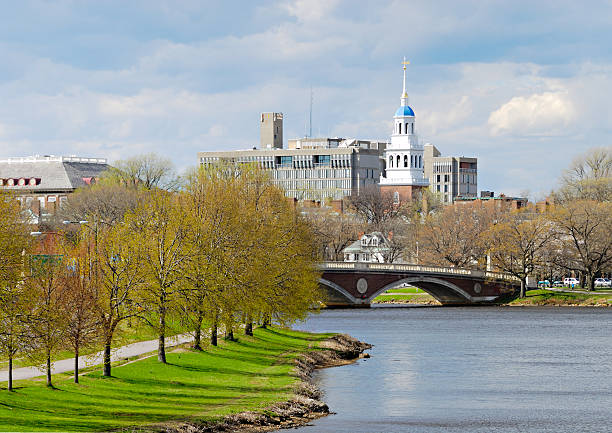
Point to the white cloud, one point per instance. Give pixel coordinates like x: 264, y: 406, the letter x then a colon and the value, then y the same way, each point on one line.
x: 311, y: 10
x: 538, y: 114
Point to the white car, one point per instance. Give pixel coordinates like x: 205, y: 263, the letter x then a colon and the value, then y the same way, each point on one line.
x: 603, y: 282
x: 570, y: 282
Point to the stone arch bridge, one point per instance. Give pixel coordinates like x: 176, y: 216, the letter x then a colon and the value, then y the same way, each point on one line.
x: 356, y: 284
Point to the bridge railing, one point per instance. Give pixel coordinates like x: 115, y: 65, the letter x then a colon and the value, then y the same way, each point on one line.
x: 397, y: 267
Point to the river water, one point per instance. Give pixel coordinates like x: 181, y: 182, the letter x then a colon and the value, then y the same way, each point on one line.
x: 485, y: 369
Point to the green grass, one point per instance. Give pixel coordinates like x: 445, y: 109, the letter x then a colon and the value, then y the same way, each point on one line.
x: 405, y: 290
x: 549, y: 297
x: 245, y: 375
x: 401, y: 297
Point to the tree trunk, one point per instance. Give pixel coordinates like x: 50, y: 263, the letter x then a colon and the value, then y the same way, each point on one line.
x: 49, y: 384
x: 213, y: 333
x: 197, y: 337
x: 76, y: 364
x: 523, y: 284
x: 266, y: 321
x: 229, y: 334
x: 106, y: 370
x: 248, y: 328
x: 161, y: 347
x: 10, y: 372
x: 591, y: 281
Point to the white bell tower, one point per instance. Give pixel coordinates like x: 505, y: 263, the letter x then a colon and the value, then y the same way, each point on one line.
x: 404, y: 156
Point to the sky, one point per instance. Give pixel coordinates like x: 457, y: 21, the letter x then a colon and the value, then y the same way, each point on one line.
x: 522, y: 85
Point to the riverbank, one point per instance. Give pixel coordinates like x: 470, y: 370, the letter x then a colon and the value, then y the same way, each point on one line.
x: 305, y: 406
x: 543, y: 297
x: 256, y: 374
x: 538, y: 297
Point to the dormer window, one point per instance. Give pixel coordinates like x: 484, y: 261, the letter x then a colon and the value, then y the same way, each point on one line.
x: 364, y: 241
x: 374, y: 241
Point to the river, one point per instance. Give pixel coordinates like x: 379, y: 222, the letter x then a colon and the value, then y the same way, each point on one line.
x: 479, y: 369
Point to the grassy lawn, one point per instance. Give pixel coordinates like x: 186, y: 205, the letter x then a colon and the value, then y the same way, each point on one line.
x: 404, y: 297
x: 405, y: 290
x: 548, y: 297
x: 237, y: 376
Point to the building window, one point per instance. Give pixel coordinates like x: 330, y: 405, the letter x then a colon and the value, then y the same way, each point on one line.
x: 420, y: 161
x: 406, y: 128
x: 396, y: 197
x: 398, y: 161
x: 391, y: 162
x: 445, y: 188
x: 405, y: 160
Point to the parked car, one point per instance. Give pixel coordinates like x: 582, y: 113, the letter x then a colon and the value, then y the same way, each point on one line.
x: 603, y: 282
x: 557, y: 283
x: 544, y: 283
x: 570, y: 282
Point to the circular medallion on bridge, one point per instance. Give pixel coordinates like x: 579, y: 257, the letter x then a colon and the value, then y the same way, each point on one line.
x: 362, y: 285
x: 477, y: 288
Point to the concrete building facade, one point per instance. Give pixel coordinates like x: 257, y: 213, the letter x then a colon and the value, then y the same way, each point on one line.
x: 330, y: 171
x: 271, y: 131
x: 451, y: 176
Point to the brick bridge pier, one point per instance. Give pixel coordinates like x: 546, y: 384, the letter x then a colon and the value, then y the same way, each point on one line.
x: 356, y: 284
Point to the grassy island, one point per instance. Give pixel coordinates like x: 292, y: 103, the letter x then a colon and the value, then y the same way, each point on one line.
x: 198, y: 386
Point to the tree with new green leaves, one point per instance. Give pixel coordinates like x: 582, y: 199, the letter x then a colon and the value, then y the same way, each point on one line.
x: 161, y: 229
x: 46, y: 314
x: 210, y: 201
x: 119, y: 265
x: 14, y: 246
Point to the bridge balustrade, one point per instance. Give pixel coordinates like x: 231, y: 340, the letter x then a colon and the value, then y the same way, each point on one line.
x: 416, y: 268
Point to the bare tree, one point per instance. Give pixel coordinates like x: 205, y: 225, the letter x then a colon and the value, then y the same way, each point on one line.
x: 333, y: 231
x: 452, y: 236
x: 108, y: 202
x: 148, y: 171
x: 79, y: 295
x: 375, y: 207
x: 585, y: 237
x: 589, y: 177
x: 516, y: 244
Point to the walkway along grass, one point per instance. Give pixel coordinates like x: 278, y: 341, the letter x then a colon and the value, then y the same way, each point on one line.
x: 198, y: 387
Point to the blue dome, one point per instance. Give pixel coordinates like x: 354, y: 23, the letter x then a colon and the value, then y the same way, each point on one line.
x: 404, y: 111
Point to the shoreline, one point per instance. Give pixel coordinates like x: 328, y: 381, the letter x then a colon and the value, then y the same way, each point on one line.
x: 306, y: 404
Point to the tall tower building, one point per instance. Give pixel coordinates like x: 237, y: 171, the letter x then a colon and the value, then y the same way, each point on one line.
x: 271, y: 131
x: 403, y: 176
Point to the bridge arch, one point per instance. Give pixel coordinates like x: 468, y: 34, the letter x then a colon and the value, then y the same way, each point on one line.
x: 340, y: 290
x: 432, y: 280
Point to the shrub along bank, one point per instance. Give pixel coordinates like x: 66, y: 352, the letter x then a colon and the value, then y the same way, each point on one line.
x: 198, y: 387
